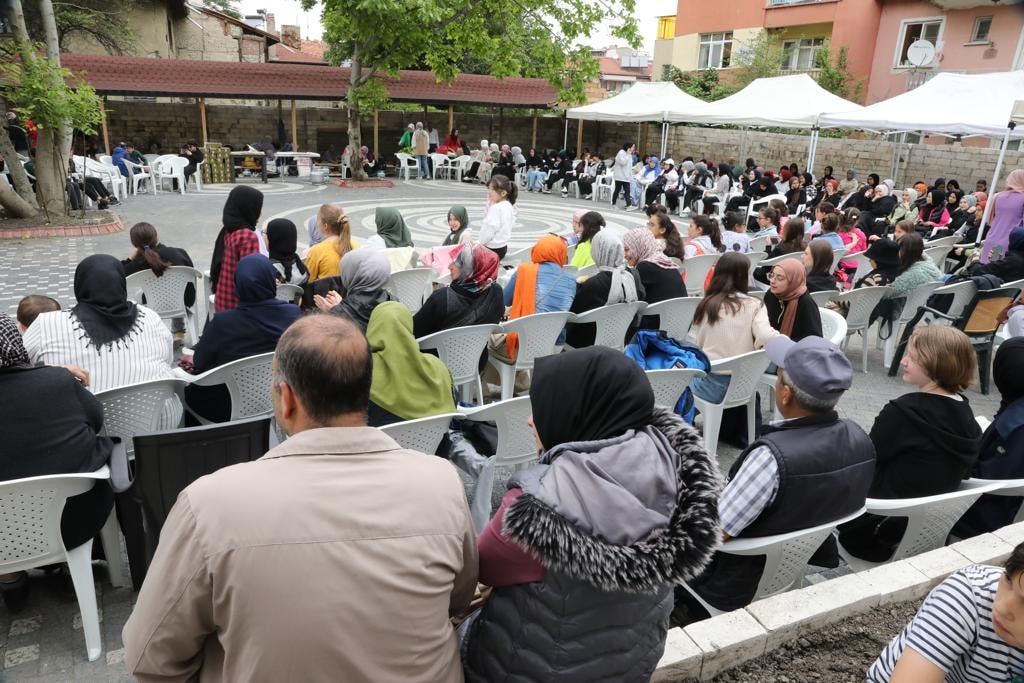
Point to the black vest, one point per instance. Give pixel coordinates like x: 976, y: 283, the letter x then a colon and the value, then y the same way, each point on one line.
x: 825, y: 468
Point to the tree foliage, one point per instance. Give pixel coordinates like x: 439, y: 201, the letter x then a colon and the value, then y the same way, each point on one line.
x: 704, y: 85
x: 834, y: 73
x: 32, y: 95
x: 225, y: 6
x: 762, y: 57
x: 100, y: 21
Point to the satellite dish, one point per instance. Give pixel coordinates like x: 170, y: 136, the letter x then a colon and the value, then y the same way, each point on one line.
x: 921, y: 53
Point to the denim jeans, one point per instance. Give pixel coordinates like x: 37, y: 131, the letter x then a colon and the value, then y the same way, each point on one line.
x: 534, y: 179
x: 424, y: 167
x: 711, y: 388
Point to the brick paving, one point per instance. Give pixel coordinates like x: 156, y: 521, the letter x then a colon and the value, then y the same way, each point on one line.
x: 44, y: 643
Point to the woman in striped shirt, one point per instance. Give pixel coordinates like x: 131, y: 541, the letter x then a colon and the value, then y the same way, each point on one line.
x: 970, y: 629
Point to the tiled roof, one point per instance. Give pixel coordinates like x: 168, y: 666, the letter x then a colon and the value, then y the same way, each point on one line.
x: 312, y: 52
x: 611, y: 66
x: 115, y: 75
x: 247, y: 28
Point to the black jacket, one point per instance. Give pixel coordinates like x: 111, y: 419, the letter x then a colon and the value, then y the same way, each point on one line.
x: 173, y: 255
x: 591, y: 294
x: 808, y: 318
x: 450, y: 307
x: 1008, y: 269
x: 821, y: 282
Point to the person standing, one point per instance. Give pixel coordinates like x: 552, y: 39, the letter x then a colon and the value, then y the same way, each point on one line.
x: 421, y: 147
x: 357, y: 581
x: 406, y: 139
x: 237, y: 238
x: 622, y: 173
x: 496, y: 229
x: 1006, y: 214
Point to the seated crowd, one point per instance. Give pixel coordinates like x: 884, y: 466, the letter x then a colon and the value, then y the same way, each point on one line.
x: 615, y: 533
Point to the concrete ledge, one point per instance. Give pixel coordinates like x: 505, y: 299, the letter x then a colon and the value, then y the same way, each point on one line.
x: 707, y: 648
x: 104, y: 226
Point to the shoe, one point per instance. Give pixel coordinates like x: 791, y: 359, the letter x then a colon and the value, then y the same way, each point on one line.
x: 102, y: 203
x: 546, y: 191
x: 113, y: 201
x: 631, y: 208
x: 15, y: 593
x: 565, y: 194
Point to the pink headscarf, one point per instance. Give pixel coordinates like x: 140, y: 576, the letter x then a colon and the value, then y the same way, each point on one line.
x: 645, y: 248
x: 1015, y: 181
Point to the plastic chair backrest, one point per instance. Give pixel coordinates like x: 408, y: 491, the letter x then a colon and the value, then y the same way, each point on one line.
x: 775, y: 259
x: 587, y: 271
x: 537, y: 335
x: 833, y: 326
x: 755, y: 257
x: 1013, y: 488
x: 516, y: 443
x: 669, y: 385
x: 459, y: 348
x: 248, y: 383
x: 516, y: 257
x: 423, y: 435
x: 167, y: 462
x: 675, y: 315
x: 916, y: 298
x: 837, y: 256
x: 696, y: 269
x: 746, y: 372
x: 288, y: 292
x: 177, y: 165
x: 137, y: 408
x: 823, y: 297
x: 151, y: 157
x: 937, y: 255
x: 963, y: 293
x: 409, y: 286
x: 30, y: 512
x: 786, y: 555
x: 758, y: 244
x: 612, y: 322
x: 862, y: 301
x: 164, y: 294
x: 863, y: 265
x: 929, y: 518
x: 941, y: 242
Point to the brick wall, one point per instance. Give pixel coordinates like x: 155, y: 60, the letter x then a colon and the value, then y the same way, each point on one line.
x: 168, y: 124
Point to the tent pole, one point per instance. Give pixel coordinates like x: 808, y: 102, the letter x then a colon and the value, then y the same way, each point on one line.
x: 565, y: 136
x: 811, y: 149
x: 664, y: 139
x: 995, y: 180
x: 743, y: 144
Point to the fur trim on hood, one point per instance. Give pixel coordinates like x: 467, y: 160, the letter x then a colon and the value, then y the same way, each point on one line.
x: 667, y: 556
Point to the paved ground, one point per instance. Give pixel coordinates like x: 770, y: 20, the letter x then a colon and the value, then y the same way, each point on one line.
x: 45, y: 642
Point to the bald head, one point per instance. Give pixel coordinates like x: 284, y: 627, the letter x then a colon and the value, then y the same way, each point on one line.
x: 325, y: 361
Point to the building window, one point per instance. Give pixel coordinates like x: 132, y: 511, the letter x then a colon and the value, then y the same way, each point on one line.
x: 715, y: 50
x: 799, y: 54
x: 982, y: 25
x: 666, y: 28
x: 929, y: 30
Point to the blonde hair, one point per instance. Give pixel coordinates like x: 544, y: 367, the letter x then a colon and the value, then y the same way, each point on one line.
x: 946, y: 355
x: 335, y: 223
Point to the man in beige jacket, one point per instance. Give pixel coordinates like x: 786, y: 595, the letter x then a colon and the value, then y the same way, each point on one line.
x: 337, y: 556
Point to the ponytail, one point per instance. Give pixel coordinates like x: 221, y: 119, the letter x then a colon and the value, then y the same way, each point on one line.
x: 145, y: 240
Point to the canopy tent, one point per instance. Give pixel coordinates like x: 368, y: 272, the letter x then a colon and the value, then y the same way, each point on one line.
x: 991, y: 106
x: 795, y: 101
x: 640, y: 103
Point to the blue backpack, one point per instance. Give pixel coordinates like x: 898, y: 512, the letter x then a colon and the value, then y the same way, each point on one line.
x: 655, y: 350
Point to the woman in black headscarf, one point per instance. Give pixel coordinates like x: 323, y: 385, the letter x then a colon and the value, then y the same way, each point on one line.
x: 621, y: 507
x: 1002, y: 445
x: 236, y: 239
x: 248, y: 330
x: 50, y: 425
x: 282, y: 243
x: 934, y: 214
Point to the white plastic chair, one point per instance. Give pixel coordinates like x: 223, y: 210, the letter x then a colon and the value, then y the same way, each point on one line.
x: 138, y: 176
x: 30, y: 512
x: 157, y: 169
x: 696, y: 269
x: 612, y: 322
x: 963, y: 292
x: 675, y: 316
x: 746, y: 371
x: 916, y: 298
x: 423, y: 435
x: 603, y: 184
x: 837, y: 256
x: 587, y: 271
x: 862, y: 301
x: 150, y: 158
x: 458, y: 166
x: 833, y: 326
x: 410, y: 286
x: 786, y: 557
x: 137, y: 409
x: 1012, y: 488
x: 823, y: 297
x: 165, y: 294
x: 756, y: 205
x: 759, y: 244
x: 459, y: 348
x: 863, y: 266
x: 440, y: 162
x: 755, y: 258
x: 248, y: 383
x: 406, y: 163
x: 929, y: 520
x: 769, y: 262
x: 937, y: 255
x: 517, y: 446
x: 669, y: 384
x: 537, y: 336
x: 514, y: 258
x: 174, y: 170
x: 110, y: 175
x: 288, y: 292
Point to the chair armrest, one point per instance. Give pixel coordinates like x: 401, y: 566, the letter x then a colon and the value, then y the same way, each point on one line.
x: 185, y: 377
x: 938, y: 314
x: 101, y: 473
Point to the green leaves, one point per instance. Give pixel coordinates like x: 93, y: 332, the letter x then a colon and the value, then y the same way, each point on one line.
x: 32, y: 94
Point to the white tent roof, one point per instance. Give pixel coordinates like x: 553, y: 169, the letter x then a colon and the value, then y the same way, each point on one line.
x: 642, y: 102
x: 795, y: 101
x: 952, y: 104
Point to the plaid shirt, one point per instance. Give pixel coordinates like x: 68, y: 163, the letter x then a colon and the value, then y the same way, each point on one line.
x: 748, y: 493
x: 236, y: 245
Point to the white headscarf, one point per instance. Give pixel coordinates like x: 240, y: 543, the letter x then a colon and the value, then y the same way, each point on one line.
x: 607, y: 250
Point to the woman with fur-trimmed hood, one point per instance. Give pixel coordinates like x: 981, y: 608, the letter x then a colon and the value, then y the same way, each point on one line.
x: 587, y: 545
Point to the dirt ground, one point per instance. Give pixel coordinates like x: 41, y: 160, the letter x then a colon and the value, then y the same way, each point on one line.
x: 840, y: 653
x: 91, y: 217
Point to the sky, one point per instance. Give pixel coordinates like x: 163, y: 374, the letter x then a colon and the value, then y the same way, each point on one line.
x: 290, y: 12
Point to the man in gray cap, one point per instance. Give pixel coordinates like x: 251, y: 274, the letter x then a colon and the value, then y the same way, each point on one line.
x: 809, y: 469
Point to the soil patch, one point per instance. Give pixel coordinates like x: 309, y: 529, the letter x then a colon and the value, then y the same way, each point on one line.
x: 362, y: 184
x: 94, y: 223
x: 838, y: 653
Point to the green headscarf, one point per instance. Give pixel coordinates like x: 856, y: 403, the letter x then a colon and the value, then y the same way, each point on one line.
x: 391, y: 226
x: 463, y: 217
x: 406, y: 382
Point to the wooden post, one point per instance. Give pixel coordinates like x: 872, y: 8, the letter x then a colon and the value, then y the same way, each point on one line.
x: 501, y: 123
x: 579, y: 139
x: 533, y: 140
x: 202, y: 120
x: 280, y: 114
x: 295, y: 129
x: 376, y: 133
x: 643, y: 139
x: 451, y: 117
x: 103, y: 123
x: 425, y: 118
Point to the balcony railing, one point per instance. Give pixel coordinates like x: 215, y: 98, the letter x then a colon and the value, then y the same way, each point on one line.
x: 813, y: 73
x: 780, y: 3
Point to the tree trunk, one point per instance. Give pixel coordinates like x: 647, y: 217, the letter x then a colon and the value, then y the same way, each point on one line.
x: 50, y: 29
x: 22, y: 185
x: 355, y: 138
x: 13, y: 204
x: 54, y: 143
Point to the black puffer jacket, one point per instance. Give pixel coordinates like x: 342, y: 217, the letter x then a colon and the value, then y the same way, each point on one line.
x: 601, y: 613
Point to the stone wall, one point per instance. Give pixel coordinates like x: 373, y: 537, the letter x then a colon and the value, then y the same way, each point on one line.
x: 166, y: 125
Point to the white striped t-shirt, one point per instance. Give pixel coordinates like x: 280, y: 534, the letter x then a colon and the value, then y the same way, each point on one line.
x: 953, y: 630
